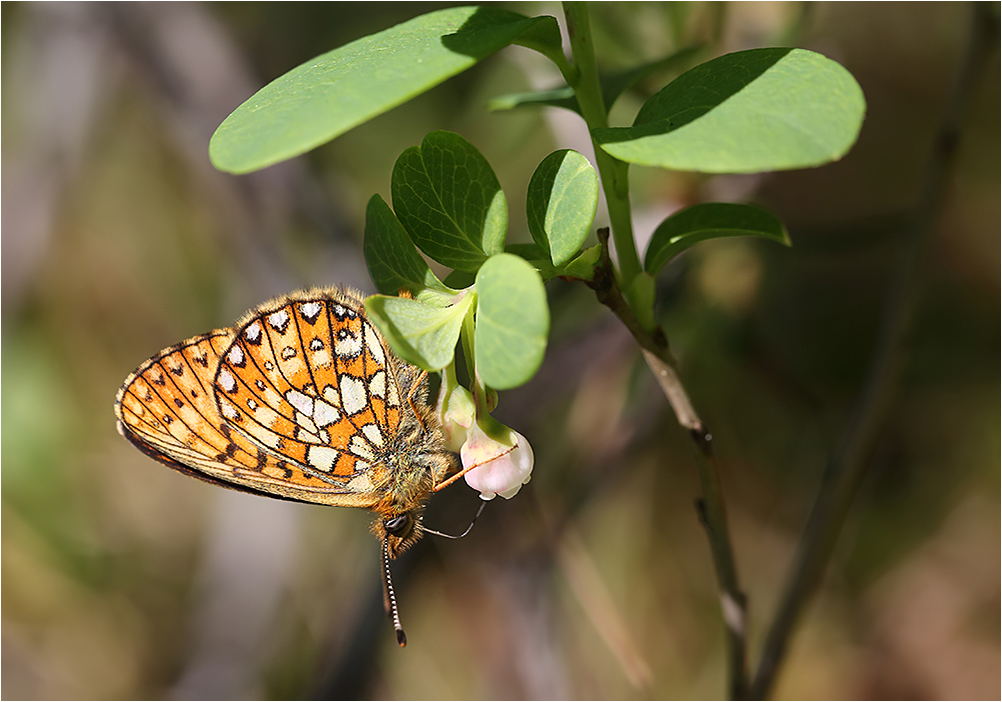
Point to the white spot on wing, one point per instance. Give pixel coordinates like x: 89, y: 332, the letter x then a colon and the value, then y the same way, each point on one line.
x: 307, y: 424
x: 268, y: 438
x: 377, y: 384
x: 361, y: 483
x: 392, y: 395
x: 310, y: 310
x: 301, y: 402
x: 372, y: 343
x: 347, y: 344
x: 331, y: 395
x: 319, y: 354
x: 236, y: 355
x: 322, y: 457
x: 266, y: 416
x: 325, y: 414
x: 372, y: 433
x: 226, y: 381
x: 253, y: 332
x: 279, y: 320
x: 359, y: 448
x: 228, y: 410
x: 353, y: 397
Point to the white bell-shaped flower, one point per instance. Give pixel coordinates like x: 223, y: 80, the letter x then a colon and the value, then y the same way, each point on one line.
x: 503, y: 464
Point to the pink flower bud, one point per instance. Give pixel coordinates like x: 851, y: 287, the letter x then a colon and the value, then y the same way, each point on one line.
x: 456, y: 410
x: 503, y: 464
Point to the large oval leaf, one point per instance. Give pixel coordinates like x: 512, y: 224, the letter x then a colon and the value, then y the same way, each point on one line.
x: 328, y: 95
x: 746, y: 112
x: 513, y: 321
x: 449, y: 200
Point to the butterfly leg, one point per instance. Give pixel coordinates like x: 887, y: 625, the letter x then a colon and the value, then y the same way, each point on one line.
x: 415, y: 386
x: 446, y: 483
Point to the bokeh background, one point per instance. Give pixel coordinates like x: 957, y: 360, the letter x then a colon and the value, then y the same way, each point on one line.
x: 122, y: 579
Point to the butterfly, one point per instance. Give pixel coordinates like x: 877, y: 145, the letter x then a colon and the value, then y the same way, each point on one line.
x: 302, y: 400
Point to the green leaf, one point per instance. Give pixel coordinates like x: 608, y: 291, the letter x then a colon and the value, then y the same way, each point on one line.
x: 393, y: 262
x: 583, y: 267
x: 561, y: 203
x: 449, y: 201
x: 420, y: 334
x: 555, y: 97
x: 328, y: 95
x: 543, y: 36
x: 513, y: 321
x: 747, y: 112
x: 613, y: 85
x: 709, y: 220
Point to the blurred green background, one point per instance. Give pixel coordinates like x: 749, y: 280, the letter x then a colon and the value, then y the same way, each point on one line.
x: 122, y: 579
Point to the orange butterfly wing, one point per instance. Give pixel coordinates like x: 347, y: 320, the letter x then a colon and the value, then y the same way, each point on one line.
x: 296, y: 403
x: 307, y: 377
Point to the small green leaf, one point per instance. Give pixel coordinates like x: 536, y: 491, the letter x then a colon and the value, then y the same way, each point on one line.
x: 420, y: 334
x: 334, y: 92
x: 613, y: 85
x: 513, y: 321
x: 746, y: 112
x: 542, y: 36
x: 449, y: 201
x: 561, y: 203
x: 709, y: 220
x: 583, y: 267
x: 556, y: 97
x: 393, y: 262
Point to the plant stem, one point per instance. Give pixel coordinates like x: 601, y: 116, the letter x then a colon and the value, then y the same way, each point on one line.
x: 466, y: 333
x: 614, y: 173
x: 610, y: 286
x: 710, y: 507
x: 849, y: 463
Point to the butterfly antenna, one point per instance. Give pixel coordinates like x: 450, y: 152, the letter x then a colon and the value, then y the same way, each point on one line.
x: 390, y: 598
x: 468, y: 529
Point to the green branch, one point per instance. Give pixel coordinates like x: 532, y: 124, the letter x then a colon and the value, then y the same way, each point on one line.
x: 710, y: 507
x: 870, y: 415
x: 614, y: 173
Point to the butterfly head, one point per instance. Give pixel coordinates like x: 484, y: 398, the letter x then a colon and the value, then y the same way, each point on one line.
x: 398, y: 531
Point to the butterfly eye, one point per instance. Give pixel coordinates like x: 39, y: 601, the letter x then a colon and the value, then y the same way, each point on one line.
x: 399, y: 525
